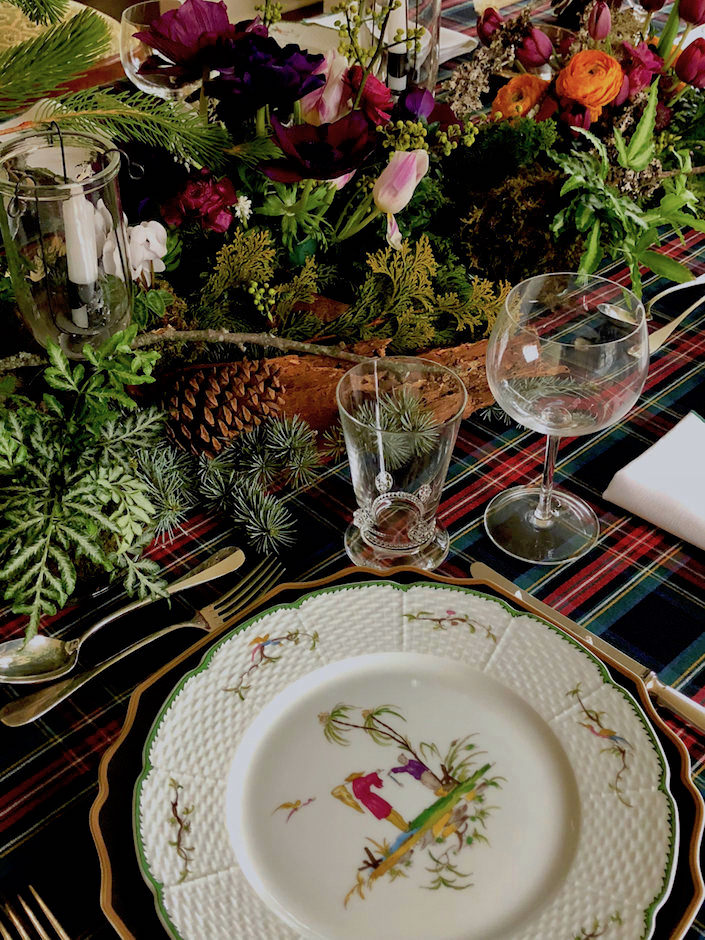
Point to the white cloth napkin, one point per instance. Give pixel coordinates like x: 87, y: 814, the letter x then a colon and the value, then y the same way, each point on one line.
x: 666, y: 484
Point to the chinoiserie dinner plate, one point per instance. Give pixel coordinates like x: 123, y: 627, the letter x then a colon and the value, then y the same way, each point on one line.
x: 404, y: 761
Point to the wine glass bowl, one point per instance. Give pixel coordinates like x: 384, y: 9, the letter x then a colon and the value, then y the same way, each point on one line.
x: 568, y: 356
x: 136, y: 56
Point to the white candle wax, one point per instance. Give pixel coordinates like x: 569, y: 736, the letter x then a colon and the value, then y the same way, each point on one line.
x: 81, y: 244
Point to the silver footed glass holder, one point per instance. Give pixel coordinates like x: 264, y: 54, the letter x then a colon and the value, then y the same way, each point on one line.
x: 400, y: 417
x: 568, y: 355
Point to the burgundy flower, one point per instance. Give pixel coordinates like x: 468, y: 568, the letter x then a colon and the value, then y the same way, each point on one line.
x: 600, y: 20
x: 645, y: 64
x: 260, y: 72
x: 416, y: 103
x: 194, y: 35
x: 690, y: 65
x: 692, y: 11
x: 487, y: 25
x: 653, y: 6
x: 623, y: 92
x: 203, y: 199
x: 324, y: 152
x: 663, y: 116
x: 376, y: 101
x: 535, y: 49
x: 575, y: 115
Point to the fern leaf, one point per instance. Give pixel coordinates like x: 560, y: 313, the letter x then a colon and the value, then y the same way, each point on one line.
x: 36, y: 67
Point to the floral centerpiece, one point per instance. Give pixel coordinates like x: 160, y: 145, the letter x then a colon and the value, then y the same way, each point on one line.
x: 297, y: 206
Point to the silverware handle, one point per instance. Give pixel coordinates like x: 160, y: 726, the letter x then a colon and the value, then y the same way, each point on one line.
x: 209, y: 571
x: 31, y: 707
x: 690, y: 711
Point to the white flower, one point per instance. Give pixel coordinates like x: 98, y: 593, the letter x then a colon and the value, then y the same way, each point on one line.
x: 243, y: 208
x: 103, y: 222
x: 147, y: 248
x: 112, y: 260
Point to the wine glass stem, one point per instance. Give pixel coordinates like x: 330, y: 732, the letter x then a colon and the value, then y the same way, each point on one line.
x: 542, y: 513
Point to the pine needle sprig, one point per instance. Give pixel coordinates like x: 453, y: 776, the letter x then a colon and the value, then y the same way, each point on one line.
x: 268, y: 523
x: 36, y: 67
x: 135, y: 116
x: 408, y: 427
x: 171, y: 480
x: 293, y: 443
x: 42, y: 11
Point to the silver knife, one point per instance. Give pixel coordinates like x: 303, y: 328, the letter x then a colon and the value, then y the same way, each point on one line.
x: 663, y: 694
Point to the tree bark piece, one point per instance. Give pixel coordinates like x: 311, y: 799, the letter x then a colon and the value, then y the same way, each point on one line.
x: 310, y: 381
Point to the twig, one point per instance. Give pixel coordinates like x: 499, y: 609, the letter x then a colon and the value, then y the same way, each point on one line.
x: 157, y: 337
x: 239, y: 339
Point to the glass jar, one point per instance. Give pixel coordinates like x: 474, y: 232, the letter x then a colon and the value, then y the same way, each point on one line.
x: 64, y: 235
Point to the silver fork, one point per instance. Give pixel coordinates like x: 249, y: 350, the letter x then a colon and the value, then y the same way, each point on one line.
x: 220, y: 614
x: 39, y: 921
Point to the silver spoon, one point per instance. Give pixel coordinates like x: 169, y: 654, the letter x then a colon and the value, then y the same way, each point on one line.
x: 44, y: 657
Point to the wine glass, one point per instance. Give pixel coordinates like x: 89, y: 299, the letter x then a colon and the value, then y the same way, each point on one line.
x: 134, y: 53
x: 400, y: 417
x: 568, y: 355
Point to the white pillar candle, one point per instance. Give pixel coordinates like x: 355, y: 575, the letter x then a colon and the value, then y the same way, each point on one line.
x: 81, y: 248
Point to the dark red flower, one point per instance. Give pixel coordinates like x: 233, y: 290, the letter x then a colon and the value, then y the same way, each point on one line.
x: 693, y: 12
x: 575, y: 115
x: 653, y: 6
x: 535, y: 49
x: 645, y: 64
x: 690, y: 64
x: 194, y: 35
x: 487, y: 25
x: 663, y: 116
x: 203, y: 199
x: 376, y: 101
x: 322, y: 153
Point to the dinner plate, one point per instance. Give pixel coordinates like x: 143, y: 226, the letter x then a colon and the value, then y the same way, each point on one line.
x: 404, y: 760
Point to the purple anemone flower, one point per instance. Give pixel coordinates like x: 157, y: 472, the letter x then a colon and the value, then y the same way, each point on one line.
x: 194, y: 36
x: 322, y: 153
x: 260, y: 72
x: 418, y: 103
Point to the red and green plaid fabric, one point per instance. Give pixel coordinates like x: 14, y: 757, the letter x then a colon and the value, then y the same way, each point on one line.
x: 640, y: 588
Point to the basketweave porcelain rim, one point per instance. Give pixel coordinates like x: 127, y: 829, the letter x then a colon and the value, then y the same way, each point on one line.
x: 524, y: 794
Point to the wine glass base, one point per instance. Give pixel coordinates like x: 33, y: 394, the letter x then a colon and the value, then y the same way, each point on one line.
x: 571, y: 532
x: 427, y: 557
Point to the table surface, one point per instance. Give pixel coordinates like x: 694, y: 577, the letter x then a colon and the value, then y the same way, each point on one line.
x: 640, y: 588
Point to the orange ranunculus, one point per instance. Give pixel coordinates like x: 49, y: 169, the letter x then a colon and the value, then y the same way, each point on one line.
x: 519, y: 96
x: 592, y: 78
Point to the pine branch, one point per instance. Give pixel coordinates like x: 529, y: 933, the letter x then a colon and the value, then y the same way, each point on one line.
x: 38, y: 66
x: 42, y: 11
x: 126, y: 116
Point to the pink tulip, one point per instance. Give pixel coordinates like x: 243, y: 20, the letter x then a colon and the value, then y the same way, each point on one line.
x: 535, y: 49
x: 690, y: 65
x: 487, y: 24
x: 331, y: 101
x: 600, y: 20
x: 396, y: 183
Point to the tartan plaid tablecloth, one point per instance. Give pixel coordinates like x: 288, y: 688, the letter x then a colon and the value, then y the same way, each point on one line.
x: 640, y: 588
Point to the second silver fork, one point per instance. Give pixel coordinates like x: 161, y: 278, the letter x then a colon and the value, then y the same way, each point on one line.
x: 220, y: 614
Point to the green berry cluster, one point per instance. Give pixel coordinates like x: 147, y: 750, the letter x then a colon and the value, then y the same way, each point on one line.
x: 271, y: 11
x: 263, y: 297
x: 404, y: 135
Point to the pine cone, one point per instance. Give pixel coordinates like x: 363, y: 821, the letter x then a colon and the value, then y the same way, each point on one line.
x: 209, y: 406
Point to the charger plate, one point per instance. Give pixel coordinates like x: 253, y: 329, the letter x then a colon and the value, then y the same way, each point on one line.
x: 475, y: 772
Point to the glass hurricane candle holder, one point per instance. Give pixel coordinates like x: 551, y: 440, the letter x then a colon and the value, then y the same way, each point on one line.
x: 400, y: 418
x: 64, y: 236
